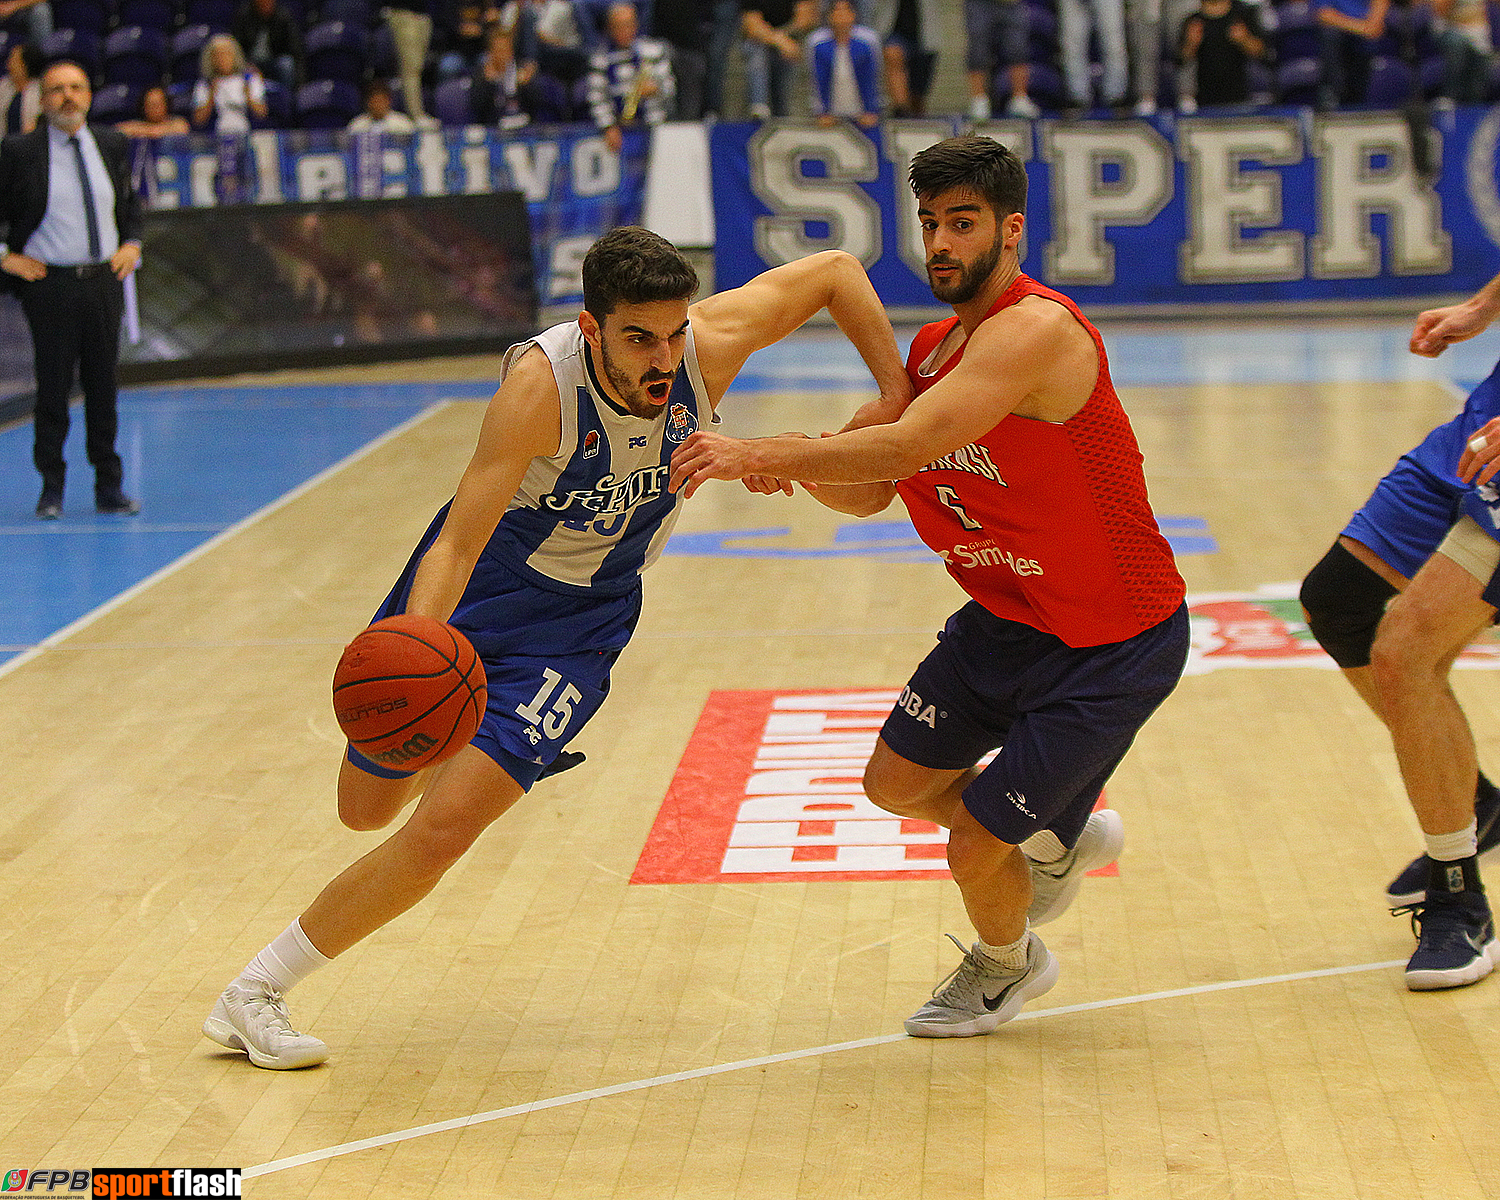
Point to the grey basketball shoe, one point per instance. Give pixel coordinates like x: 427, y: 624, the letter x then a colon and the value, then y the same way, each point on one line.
x: 1054, y: 884
x: 981, y: 994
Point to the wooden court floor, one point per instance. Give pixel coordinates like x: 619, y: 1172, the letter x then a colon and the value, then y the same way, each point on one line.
x: 1230, y: 1020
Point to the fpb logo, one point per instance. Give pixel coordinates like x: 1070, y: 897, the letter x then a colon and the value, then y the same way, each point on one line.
x: 44, y: 1181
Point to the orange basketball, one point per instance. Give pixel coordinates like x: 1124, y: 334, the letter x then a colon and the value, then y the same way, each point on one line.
x: 409, y: 692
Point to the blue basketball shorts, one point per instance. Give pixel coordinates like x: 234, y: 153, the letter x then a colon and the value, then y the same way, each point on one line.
x: 1063, y: 717
x: 547, y: 656
x: 1413, y: 507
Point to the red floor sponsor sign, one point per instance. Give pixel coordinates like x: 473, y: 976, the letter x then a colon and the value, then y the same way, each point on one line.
x: 769, y: 790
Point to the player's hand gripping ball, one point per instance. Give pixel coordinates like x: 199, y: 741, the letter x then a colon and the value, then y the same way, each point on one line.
x: 409, y: 692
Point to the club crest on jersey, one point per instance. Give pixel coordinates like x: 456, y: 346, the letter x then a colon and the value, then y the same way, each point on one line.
x: 591, y: 443
x: 681, y: 423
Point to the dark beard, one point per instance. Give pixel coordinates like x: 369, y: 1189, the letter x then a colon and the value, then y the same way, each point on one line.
x: 971, y: 278
x: 631, y: 392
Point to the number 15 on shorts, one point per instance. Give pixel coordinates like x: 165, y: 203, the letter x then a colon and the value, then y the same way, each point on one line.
x: 553, y: 717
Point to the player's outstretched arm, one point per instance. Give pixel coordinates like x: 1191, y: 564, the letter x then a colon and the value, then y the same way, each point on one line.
x: 1438, y: 328
x: 862, y: 499
x: 730, y: 326
x: 523, y: 421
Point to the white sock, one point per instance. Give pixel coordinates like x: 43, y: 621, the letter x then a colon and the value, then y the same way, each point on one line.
x: 1450, y: 847
x: 286, y: 961
x: 1043, y: 847
x: 1011, y: 957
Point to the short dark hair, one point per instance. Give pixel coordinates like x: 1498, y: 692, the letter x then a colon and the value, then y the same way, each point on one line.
x: 980, y: 164
x: 632, y: 265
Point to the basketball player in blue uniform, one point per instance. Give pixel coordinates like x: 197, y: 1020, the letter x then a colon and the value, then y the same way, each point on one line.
x: 537, y: 559
x: 1414, y: 515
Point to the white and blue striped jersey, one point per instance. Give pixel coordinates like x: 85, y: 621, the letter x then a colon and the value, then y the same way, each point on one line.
x: 597, y: 513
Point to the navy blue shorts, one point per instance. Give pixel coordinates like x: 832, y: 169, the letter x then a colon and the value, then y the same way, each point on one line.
x: 546, y: 654
x: 1062, y: 717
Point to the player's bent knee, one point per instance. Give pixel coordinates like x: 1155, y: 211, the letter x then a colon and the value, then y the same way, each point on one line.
x: 973, y: 851
x: 431, y: 847
x: 367, y: 802
x: 885, y: 789
x: 1405, y: 652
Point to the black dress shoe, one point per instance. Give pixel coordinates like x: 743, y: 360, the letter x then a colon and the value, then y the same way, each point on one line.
x: 115, y: 502
x: 49, y: 507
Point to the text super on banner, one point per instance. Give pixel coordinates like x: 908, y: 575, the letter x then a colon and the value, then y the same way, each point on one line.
x: 1281, y: 205
x: 574, y: 185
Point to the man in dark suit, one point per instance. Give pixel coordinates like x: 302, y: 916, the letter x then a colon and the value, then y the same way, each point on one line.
x: 69, y: 234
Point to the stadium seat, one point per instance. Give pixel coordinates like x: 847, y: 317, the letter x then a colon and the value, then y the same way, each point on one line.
x: 180, y: 99
x: 1297, y: 81
x: 217, y: 14
x: 326, y: 104
x: 1391, y: 83
x: 1407, y: 34
x: 92, y: 15
x: 336, y: 50
x: 135, y: 55
x: 381, y: 52
x: 1262, y: 82
x: 451, y: 101
x: 148, y: 14
x: 278, y: 107
x: 79, y: 45
x: 1045, y: 85
x: 1296, y: 34
x: 1433, y: 73
x: 115, y: 102
x: 186, y: 52
x: 351, y: 12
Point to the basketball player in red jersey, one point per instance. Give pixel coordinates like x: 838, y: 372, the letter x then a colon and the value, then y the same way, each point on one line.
x: 1019, y: 467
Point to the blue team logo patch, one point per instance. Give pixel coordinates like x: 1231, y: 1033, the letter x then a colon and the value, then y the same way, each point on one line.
x: 681, y: 423
x: 591, y: 443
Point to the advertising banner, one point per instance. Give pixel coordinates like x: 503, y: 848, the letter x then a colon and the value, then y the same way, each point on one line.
x: 574, y: 186
x: 1265, y: 207
x: 252, y: 286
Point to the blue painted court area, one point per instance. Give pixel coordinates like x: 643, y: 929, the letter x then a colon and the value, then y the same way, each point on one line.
x: 199, y: 459
x: 884, y: 541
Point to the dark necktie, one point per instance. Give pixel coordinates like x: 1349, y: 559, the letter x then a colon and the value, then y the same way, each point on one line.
x: 88, y: 201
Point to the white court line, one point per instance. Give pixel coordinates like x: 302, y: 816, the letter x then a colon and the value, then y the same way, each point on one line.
x: 516, y: 1110
x: 110, y: 525
x: 240, y: 526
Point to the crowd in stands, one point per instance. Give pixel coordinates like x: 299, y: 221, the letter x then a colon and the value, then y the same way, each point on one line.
x: 395, y: 66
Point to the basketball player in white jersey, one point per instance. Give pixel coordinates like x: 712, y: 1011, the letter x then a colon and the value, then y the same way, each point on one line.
x: 537, y: 560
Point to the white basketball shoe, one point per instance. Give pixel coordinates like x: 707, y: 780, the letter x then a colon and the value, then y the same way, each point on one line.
x: 1054, y: 884
x: 254, y: 1019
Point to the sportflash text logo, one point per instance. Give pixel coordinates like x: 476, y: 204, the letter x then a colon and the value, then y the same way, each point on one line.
x: 117, y: 1182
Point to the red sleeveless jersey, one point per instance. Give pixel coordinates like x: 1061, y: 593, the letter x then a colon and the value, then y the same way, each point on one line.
x: 1043, y: 523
